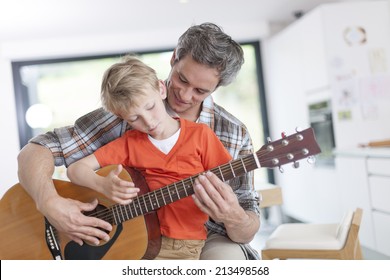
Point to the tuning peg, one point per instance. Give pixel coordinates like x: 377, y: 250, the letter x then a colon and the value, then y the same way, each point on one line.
x: 281, y: 170
x: 296, y: 164
x: 284, y: 134
x: 298, y: 129
x: 269, y: 139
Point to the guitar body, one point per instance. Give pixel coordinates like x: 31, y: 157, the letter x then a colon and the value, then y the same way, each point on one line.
x: 22, y: 233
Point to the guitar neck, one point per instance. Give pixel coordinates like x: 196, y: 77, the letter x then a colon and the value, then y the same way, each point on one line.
x: 151, y: 201
x: 274, y: 154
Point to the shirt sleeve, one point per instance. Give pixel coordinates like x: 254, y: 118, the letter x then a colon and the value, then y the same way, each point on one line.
x: 215, y: 153
x: 91, y: 131
x: 115, y: 152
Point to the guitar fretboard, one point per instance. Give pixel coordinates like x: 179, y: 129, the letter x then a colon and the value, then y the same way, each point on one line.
x: 273, y: 154
x: 153, y: 200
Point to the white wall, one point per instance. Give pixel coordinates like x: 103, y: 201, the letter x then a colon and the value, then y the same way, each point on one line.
x: 82, y: 46
x: 296, y: 66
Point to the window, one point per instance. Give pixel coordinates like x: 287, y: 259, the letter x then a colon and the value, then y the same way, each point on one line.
x: 54, y: 93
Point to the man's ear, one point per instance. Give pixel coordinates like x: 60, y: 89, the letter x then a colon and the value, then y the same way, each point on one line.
x: 173, y: 57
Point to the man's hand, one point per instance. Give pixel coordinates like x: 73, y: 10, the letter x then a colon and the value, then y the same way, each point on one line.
x: 67, y: 217
x: 217, y: 199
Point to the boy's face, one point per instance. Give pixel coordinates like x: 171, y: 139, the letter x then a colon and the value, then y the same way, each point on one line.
x: 189, y: 84
x: 148, y: 115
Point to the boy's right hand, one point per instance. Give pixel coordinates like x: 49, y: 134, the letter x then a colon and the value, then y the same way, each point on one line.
x: 116, y: 189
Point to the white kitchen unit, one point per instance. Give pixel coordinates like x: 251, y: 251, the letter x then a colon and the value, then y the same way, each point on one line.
x: 364, y: 179
x: 338, y: 54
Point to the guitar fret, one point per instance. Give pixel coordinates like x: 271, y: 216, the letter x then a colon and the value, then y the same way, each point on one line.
x: 140, y: 207
x: 129, y: 207
x: 231, y: 167
x: 243, y: 165
x: 155, y: 194
x: 185, y: 190
x: 113, y: 215
x: 169, y: 192
x: 146, y: 206
x: 152, y: 205
x: 163, y: 196
x: 220, y: 171
x: 123, y: 217
x: 178, y: 196
x: 127, y: 214
x: 135, y: 206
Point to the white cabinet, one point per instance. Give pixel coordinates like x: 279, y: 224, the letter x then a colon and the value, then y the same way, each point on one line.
x: 319, y: 58
x: 352, y: 182
x: 382, y: 232
x: 378, y: 170
x: 364, y: 177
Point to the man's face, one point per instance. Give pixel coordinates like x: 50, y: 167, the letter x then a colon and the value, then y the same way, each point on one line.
x: 189, y: 84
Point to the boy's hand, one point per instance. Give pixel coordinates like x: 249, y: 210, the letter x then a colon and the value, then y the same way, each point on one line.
x: 118, y: 190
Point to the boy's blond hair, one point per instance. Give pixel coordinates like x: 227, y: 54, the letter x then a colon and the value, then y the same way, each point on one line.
x: 124, y: 81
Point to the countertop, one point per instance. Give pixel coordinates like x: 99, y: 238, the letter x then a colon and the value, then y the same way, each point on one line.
x: 364, y: 152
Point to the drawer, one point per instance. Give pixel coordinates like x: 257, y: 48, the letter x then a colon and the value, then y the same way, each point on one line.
x: 382, y: 232
x: 378, y: 166
x: 380, y: 192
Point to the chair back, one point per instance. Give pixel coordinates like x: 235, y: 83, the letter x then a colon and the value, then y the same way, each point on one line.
x: 343, y: 227
x: 270, y: 197
x: 352, y: 249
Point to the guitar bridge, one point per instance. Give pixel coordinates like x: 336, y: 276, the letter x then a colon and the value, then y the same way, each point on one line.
x: 51, y: 241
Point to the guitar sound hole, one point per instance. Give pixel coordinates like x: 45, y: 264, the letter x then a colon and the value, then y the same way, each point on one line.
x: 98, y: 213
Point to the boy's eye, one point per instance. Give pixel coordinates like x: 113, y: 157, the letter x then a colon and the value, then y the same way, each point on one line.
x: 132, y: 120
x: 151, y: 107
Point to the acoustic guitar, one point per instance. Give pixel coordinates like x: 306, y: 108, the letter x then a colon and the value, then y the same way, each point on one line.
x: 26, y: 234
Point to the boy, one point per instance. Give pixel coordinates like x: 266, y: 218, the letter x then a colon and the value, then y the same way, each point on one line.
x: 163, y: 148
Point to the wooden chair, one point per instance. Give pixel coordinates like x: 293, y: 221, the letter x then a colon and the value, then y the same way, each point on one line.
x: 270, y: 197
x: 316, y: 241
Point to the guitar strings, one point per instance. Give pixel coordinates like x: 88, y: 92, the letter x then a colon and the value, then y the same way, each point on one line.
x: 182, y: 187
x: 107, y: 213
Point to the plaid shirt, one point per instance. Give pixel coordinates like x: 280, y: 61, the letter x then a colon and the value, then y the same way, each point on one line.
x: 71, y: 143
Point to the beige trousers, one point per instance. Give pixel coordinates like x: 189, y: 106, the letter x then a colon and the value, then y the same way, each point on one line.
x: 218, y: 247
x: 177, y: 249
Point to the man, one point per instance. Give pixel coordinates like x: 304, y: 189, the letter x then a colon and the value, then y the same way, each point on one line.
x: 204, y: 59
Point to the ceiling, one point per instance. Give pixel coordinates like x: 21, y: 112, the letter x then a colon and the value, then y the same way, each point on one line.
x: 39, y: 19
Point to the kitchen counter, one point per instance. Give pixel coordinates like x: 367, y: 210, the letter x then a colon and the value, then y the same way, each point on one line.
x: 364, y: 152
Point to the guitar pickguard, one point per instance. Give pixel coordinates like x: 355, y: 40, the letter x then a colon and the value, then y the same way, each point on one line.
x: 74, y: 251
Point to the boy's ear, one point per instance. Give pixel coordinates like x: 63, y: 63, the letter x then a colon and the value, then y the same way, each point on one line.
x: 163, y: 89
x: 173, y: 57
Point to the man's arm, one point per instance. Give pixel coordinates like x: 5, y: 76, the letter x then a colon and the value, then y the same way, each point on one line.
x: 218, y: 200
x: 36, y: 167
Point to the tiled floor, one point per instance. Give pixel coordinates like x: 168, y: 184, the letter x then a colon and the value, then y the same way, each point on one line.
x: 267, y: 229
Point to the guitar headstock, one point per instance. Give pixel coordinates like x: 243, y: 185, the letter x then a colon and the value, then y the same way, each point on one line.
x: 290, y: 148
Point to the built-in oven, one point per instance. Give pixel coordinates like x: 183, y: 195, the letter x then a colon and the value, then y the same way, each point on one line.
x: 320, y: 115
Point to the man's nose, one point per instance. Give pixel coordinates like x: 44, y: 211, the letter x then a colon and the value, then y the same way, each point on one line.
x: 186, y: 94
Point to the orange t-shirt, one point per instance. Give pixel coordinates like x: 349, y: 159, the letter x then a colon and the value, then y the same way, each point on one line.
x: 196, y: 150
